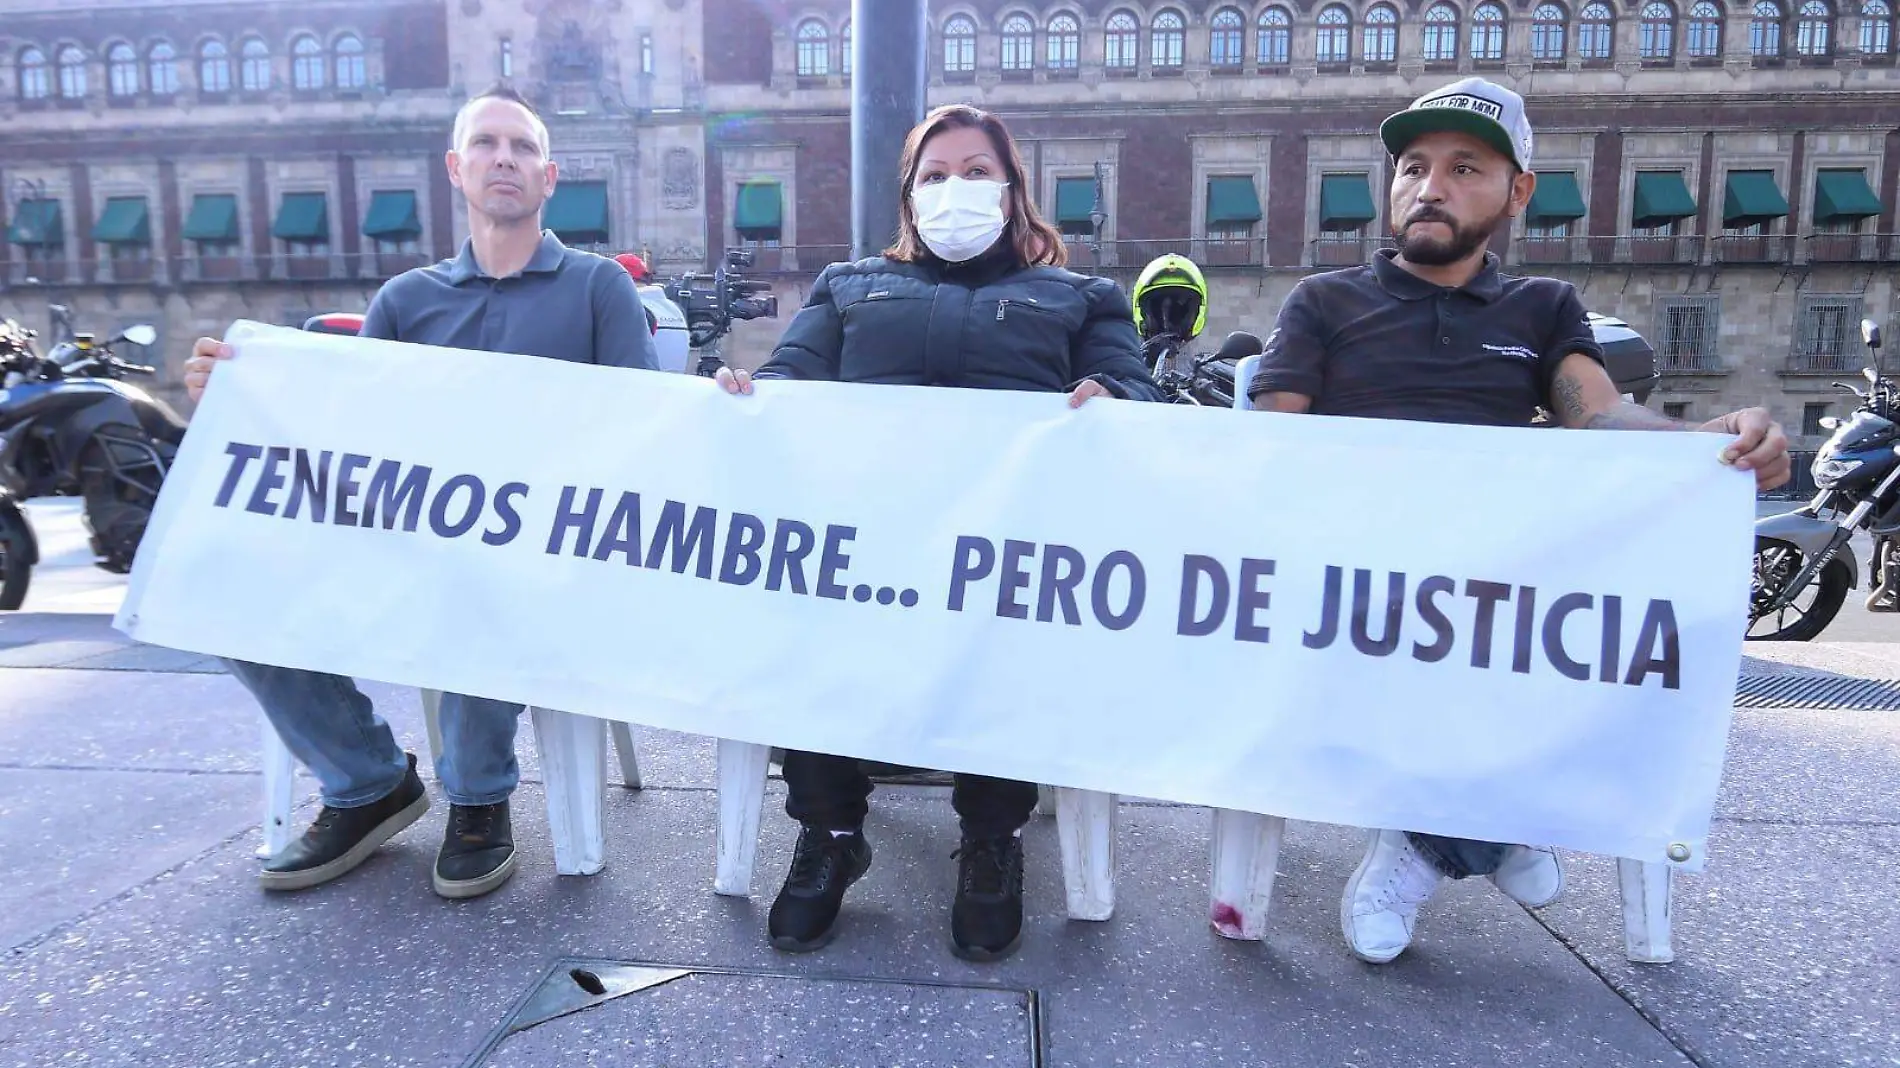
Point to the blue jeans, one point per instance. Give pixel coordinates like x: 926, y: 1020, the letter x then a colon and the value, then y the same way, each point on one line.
x: 331, y: 728
x: 1459, y: 858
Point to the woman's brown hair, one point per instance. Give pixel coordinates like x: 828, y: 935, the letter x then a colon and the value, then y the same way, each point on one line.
x: 1036, y: 242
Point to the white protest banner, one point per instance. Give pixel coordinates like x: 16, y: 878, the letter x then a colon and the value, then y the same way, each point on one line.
x: 1520, y: 635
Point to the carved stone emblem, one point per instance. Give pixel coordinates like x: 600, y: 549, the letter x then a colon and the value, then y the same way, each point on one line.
x: 679, y: 179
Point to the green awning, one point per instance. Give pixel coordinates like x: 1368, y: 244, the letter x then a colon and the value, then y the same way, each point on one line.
x: 1075, y: 198
x: 392, y: 216
x: 37, y: 222
x: 1555, y: 200
x: 302, y: 217
x: 1232, y: 200
x: 1752, y: 197
x: 124, y: 222
x: 1345, y: 202
x: 577, y: 213
x: 758, y: 212
x: 1661, y: 198
x: 1843, y: 196
x: 214, y: 217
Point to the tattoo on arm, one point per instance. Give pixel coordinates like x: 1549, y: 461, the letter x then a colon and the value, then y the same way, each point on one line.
x: 1627, y: 416
x: 1570, y: 406
x: 1574, y: 409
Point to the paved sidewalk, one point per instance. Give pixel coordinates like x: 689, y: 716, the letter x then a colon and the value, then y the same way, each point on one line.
x: 136, y: 934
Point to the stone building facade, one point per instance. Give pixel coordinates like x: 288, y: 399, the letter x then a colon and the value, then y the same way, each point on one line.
x: 1723, y: 176
x: 192, y: 162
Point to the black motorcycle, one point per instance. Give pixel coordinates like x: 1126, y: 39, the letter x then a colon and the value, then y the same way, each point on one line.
x: 1207, y: 379
x: 19, y: 551
x: 70, y: 425
x: 1803, y: 566
x: 19, y: 548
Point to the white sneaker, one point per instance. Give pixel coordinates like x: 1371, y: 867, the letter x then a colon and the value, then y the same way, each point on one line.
x: 1530, y: 876
x: 1382, y: 898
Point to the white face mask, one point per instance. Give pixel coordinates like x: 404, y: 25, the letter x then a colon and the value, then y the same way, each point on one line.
x: 959, y: 218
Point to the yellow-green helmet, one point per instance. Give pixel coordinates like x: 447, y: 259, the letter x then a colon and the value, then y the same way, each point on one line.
x: 1170, y: 298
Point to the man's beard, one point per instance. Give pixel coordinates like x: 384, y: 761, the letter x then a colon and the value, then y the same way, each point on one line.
x: 1430, y: 251
x: 503, y: 209
x: 499, y: 207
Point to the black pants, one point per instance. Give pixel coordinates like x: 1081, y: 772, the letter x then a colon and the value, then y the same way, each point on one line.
x: 1459, y: 858
x: 832, y: 792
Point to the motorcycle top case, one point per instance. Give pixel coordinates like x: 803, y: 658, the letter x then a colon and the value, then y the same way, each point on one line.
x: 1629, y: 359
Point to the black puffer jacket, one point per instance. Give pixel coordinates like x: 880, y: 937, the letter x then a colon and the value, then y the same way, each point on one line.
x: 987, y: 324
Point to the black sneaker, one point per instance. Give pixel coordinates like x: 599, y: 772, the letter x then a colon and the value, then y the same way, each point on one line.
x: 341, y: 838
x: 986, y: 923
x: 804, y: 916
x: 478, y: 851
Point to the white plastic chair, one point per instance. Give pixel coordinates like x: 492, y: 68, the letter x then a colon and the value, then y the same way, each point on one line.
x: 573, y: 752
x: 1246, y: 851
x: 1243, y: 374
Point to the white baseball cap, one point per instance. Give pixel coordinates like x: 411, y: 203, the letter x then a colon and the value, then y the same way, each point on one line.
x: 1483, y: 109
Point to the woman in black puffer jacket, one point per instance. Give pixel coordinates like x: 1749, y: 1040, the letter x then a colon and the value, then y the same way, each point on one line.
x: 973, y: 294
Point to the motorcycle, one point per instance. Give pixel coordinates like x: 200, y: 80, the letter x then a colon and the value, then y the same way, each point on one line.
x: 19, y: 548
x: 1803, y: 565
x: 70, y: 425
x: 19, y: 552
x: 1208, y: 379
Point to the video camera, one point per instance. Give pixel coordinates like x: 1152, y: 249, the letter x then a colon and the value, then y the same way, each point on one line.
x: 713, y: 302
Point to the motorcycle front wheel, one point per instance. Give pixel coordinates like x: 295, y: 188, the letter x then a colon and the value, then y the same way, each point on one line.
x: 1804, y: 618
x: 16, y: 573
x: 120, y: 475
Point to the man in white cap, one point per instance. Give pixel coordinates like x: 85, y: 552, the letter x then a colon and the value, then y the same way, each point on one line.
x: 1433, y: 331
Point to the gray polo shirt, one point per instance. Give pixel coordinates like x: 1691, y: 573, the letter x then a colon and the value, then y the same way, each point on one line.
x: 565, y: 304
x: 1382, y: 343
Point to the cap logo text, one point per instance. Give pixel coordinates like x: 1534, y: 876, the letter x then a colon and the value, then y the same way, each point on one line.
x: 1484, y: 107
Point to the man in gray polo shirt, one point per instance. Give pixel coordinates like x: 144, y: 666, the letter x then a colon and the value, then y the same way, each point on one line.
x: 1432, y: 331
x: 514, y: 288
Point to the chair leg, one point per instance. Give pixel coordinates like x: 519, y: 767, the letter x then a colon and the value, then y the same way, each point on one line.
x: 1085, y: 825
x: 741, y: 781
x: 1246, y: 853
x: 280, y: 789
x: 432, y: 722
x: 574, y: 764
x: 629, y: 756
x: 1646, y: 894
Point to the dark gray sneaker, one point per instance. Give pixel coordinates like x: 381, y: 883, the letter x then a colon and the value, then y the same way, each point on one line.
x: 478, y: 851
x: 804, y: 916
x: 986, y: 921
x: 341, y: 838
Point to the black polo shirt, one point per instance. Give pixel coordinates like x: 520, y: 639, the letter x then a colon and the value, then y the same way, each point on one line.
x: 1383, y: 343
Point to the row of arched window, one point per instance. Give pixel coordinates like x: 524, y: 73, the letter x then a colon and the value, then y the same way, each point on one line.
x: 1777, y: 28
x: 814, y: 49
x: 128, y: 73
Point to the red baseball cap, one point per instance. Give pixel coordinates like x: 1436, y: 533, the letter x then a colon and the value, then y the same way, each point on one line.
x: 635, y: 266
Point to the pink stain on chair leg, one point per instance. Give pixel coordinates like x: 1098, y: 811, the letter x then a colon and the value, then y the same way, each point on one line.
x: 1226, y: 920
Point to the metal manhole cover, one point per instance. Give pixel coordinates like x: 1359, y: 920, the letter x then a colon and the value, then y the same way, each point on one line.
x: 635, y: 1014
x: 1817, y: 691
